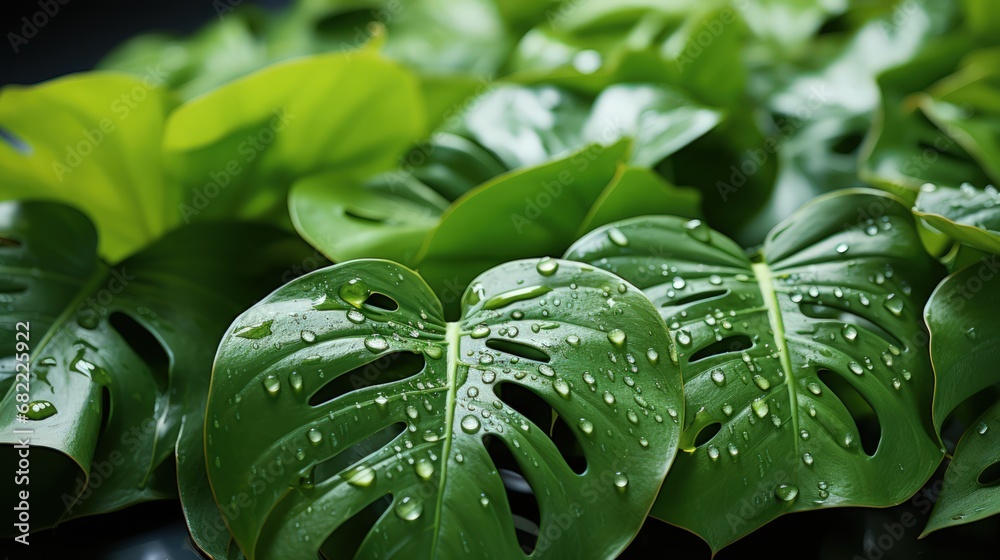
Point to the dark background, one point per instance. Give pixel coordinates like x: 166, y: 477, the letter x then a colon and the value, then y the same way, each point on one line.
x: 76, y: 38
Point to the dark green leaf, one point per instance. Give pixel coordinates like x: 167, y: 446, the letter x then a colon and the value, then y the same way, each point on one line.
x: 412, y: 439
x: 968, y: 215
x: 123, y: 356
x: 782, y: 352
x: 961, y: 317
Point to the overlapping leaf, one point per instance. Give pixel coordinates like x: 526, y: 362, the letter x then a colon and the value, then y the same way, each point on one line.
x: 311, y: 380
x: 779, y: 355
x: 120, y: 356
x: 91, y: 140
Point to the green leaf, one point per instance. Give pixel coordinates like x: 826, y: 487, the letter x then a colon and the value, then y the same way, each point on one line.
x: 122, y: 354
x: 968, y: 215
x: 238, y: 148
x: 904, y: 150
x: 531, y: 125
x: 537, y: 211
x: 218, y: 53
x: 410, y: 438
x: 388, y: 217
x: 965, y: 105
x: 782, y: 352
x: 93, y: 141
x: 961, y: 317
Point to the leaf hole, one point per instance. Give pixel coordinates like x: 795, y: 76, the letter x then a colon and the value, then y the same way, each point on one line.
x: 381, y: 301
x: 848, y: 143
x: 966, y: 414
x: 519, y: 349
x: 16, y: 142
x: 729, y: 344
x: 8, y: 242
x: 388, y: 368
x: 707, y: 433
x: 990, y: 475
x: 362, y: 218
x: 345, y: 541
x: 520, y: 495
x: 536, y: 409
x: 145, y: 345
x: 860, y: 409
x: 701, y: 296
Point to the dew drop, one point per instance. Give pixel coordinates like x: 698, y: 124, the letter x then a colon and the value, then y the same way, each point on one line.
x: 561, y: 387
x: 424, y: 469
x: 360, y: 476
x: 546, y: 266
x: 409, y: 508
x: 315, y: 437
x: 849, y: 332
x: 617, y: 337
x: 40, y: 410
x: 271, y: 384
x: 376, y: 343
x: 759, y: 407
x: 621, y: 480
x: 355, y: 316
x: 470, y: 424
x: 786, y: 492
x: 617, y: 237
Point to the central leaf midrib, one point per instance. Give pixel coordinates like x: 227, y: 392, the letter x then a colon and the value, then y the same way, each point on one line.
x: 452, y: 337
x: 765, y: 282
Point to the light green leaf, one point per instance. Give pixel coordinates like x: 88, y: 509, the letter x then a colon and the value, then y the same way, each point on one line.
x: 93, y: 141
x: 238, y: 149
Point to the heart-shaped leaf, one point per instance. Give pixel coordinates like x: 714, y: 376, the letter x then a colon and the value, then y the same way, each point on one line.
x: 93, y: 141
x: 239, y: 148
x: 120, y: 356
x: 345, y: 393
x: 780, y: 355
x: 540, y: 211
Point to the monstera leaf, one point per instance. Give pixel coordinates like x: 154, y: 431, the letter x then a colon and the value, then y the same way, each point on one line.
x: 781, y: 356
x: 120, y: 356
x: 968, y: 215
x: 961, y: 316
x: 345, y: 394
